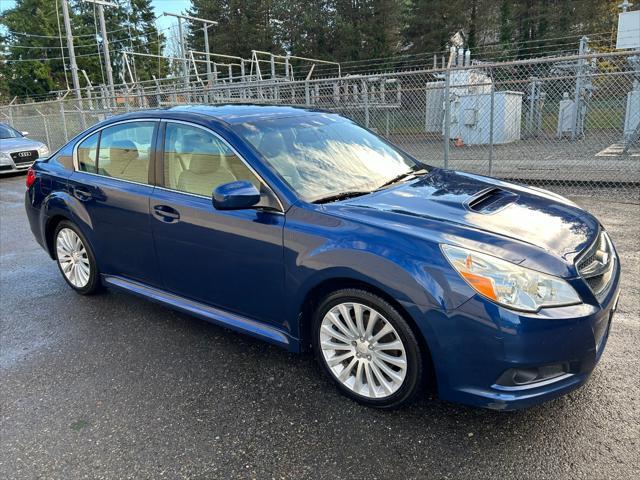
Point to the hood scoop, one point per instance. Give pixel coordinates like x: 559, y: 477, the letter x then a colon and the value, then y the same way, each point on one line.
x: 491, y: 200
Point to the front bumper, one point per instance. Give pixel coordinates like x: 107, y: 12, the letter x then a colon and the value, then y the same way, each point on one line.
x: 9, y: 166
x: 476, y: 344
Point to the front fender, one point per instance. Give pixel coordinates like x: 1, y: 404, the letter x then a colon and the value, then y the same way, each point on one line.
x: 321, y: 248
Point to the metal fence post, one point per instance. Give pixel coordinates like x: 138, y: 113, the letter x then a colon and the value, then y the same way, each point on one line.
x: 365, y: 97
x: 386, y: 122
x: 11, y: 111
x: 46, y: 128
x: 447, y: 119
x: 577, y: 97
x: 491, y: 121
x: 64, y: 122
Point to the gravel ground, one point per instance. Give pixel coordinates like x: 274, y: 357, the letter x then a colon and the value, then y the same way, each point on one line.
x: 113, y: 386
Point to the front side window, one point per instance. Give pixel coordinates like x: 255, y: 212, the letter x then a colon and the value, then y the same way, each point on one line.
x: 324, y: 155
x: 125, y: 151
x: 196, y: 161
x: 88, y: 154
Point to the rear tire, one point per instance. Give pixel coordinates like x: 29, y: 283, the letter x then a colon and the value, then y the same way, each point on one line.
x: 75, y: 259
x: 367, y: 348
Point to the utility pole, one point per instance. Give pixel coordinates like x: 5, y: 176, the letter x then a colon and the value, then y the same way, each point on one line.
x: 207, y: 23
x: 105, y: 49
x: 105, y: 41
x: 72, y: 53
x: 206, y: 49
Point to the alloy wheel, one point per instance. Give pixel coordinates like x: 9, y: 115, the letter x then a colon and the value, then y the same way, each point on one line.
x: 363, y: 350
x: 73, y: 258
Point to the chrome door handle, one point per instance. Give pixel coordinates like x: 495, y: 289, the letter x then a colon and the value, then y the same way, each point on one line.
x: 166, y: 213
x: 82, y: 194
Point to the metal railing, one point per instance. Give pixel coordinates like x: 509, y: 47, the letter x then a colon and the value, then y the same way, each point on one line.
x: 571, y: 123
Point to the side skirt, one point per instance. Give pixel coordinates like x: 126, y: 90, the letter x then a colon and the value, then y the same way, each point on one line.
x: 214, y: 315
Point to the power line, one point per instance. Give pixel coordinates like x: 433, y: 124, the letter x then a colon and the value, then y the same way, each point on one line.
x: 46, y: 59
x: 123, y: 40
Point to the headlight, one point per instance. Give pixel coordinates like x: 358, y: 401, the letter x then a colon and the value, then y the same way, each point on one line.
x: 509, y: 284
x: 5, y: 158
x: 43, y: 151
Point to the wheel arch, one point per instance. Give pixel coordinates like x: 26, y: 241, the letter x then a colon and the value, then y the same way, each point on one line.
x: 58, y: 207
x: 49, y: 230
x: 327, y: 286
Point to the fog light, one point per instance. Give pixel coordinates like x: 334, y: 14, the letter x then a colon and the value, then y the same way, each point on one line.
x: 530, y: 377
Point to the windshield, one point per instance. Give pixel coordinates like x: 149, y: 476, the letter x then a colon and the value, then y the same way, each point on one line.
x: 324, y: 155
x: 7, y: 132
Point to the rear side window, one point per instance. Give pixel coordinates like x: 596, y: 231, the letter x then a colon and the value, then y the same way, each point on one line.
x: 125, y: 151
x: 88, y: 154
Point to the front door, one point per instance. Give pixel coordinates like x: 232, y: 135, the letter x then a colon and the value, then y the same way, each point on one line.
x: 111, y: 181
x: 227, y: 259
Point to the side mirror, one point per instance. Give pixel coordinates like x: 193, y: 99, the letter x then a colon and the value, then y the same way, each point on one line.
x: 235, y: 196
x: 24, y: 134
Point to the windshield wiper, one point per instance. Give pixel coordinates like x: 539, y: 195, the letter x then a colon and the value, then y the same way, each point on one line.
x: 414, y: 172
x: 342, y: 196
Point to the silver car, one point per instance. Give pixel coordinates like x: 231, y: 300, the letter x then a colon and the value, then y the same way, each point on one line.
x: 17, y: 152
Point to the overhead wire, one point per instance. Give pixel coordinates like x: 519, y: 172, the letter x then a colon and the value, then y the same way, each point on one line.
x: 123, y: 40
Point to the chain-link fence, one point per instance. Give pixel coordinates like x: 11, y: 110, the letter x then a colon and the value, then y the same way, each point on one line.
x: 570, y: 123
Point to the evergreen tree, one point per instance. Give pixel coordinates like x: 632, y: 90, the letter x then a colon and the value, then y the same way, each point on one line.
x: 340, y: 30
x: 243, y: 25
x: 431, y: 23
x: 32, y: 67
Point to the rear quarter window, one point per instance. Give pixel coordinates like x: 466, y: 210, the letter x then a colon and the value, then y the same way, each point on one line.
x: 63, y: 157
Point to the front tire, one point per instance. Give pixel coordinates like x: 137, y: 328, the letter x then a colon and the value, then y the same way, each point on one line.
x: 75, y: 259
x: 367, y: 348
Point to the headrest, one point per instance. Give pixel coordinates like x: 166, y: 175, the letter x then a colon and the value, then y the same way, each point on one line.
x: 272, y: 144
x: 123, y: 150
x: 204, y: 162
x: 308, y: 136
x: 191, y: 143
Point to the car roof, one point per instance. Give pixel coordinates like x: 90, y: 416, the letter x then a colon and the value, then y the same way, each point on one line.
x: 233, y: 113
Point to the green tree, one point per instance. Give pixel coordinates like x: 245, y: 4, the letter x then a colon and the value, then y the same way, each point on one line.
x: 243, y: 25
x: 32, y: 67
x: 430, y: 23
x: 131, y: 27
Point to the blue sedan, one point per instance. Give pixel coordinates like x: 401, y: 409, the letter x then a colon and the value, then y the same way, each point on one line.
x: 303, y: 229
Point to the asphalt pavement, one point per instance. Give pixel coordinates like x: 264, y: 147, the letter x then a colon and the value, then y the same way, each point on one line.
x: 113, y: 386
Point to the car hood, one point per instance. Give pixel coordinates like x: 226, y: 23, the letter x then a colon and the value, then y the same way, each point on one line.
x: 11, y: 144
x: 489, y: 209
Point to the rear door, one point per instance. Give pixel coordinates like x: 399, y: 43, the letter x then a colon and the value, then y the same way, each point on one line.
x: 229, y: 259
x: 112, y: 182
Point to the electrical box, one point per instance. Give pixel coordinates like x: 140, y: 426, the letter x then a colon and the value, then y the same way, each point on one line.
x: 566, y: 116
x: 628, y: 30
x: 434, y: 106
x: 471, y: 118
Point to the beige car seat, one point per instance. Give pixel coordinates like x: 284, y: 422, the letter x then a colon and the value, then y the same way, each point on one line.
x: 125, y: 164
x: 205, y: 172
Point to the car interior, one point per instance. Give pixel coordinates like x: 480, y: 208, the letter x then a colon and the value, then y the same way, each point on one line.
x: 196, y: 162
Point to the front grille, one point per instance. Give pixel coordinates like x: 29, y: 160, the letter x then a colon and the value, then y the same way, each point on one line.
x: 596, y: 265
x: 26, y: 156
